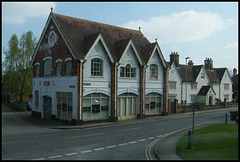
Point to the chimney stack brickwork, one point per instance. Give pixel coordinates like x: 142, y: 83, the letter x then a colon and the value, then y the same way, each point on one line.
x: 208, y: 63
x: 190, y: 62
x: 174, y: 57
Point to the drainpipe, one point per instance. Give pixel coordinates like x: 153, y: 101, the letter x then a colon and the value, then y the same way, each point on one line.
x: 81, y: 90
x: 115, y: 91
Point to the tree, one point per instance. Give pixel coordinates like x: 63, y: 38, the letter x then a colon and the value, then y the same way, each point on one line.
x: 17, y: 77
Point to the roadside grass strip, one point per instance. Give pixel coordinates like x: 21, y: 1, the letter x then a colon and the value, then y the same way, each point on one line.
x: 215, y: 142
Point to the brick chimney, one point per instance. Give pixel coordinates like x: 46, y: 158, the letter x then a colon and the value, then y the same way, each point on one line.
x: 208, y: 63
x: 234, y: 72
x: 174, y: 57
x: 190, y: 62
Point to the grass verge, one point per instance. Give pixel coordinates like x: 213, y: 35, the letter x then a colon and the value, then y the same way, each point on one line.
x: 216, y: 142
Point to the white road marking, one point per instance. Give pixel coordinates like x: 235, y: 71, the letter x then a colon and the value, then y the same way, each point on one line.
x: 57, y: 156
x: 151, y: 138
x: 132, y: 142
x: 122, y: 144
x: 159, y: 135
x: 130, y: 129
x: 97, y: 149
x: 39, y: 159
x: 73, y: 153
x: 89, y: 135
x: 86, y: 151
x: 111, y: 146
x: 141, y: 140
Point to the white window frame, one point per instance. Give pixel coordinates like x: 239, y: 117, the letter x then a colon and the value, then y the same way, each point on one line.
x: 128, y: 72
x: 226, y: 86
x: 47, y: 71
x: 172, y: 85
x: 67, y: 105
x: 153, y: 71
x: 37, y: 69
x: 194, y: 86
x: 96, y: 67
x: 68, y: 67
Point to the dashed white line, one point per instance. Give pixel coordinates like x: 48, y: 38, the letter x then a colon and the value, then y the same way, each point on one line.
x: 73, y: 153
x: 57, y: 156
x: 86, y: 151
x: 130, y: 129
x: 98, y: 149
x: 89, y: 135
x: 159, y: 136
x: 111, y: 146
x: 132, y: 142
x: 122, y: 144
x: 151, y: 138
x: 141, y: 140
x: 39, y: 159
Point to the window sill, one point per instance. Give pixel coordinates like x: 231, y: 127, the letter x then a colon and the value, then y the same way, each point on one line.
x: 96, y: 77
x: 127, y: 78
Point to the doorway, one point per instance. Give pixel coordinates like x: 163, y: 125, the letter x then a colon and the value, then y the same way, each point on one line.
x: 47, y: 107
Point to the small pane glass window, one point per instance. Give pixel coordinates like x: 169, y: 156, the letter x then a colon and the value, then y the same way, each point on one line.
x: 96, y: 67
x: 69, y: 67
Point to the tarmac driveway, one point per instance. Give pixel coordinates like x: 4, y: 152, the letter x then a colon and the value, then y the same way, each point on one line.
x: 21, y: 122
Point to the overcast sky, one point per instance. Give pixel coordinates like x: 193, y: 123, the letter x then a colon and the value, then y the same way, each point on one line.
x: 198, y: 30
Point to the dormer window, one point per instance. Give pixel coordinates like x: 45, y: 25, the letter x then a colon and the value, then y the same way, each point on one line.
x: 127, y: 72
x: 153, y: 71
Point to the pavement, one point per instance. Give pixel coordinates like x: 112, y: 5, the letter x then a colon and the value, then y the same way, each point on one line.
x: 164, y: 149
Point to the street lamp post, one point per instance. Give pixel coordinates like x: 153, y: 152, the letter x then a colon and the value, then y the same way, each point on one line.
x: 186, y: 82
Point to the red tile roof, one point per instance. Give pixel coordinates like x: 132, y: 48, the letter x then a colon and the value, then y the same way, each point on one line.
x: 81, y: 33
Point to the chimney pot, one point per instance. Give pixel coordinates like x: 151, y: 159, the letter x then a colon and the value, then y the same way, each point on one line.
x: 234, y: 72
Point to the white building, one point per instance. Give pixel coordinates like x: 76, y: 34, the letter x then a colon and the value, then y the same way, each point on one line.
x: 85, y: 71
x: 187, y: 81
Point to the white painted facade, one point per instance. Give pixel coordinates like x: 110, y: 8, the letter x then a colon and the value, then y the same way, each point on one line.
x: 202, y: 79
x: 56, y: 84
x: 174, y: 76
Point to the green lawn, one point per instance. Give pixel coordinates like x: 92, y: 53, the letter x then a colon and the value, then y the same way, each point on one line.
x: 216, y: 142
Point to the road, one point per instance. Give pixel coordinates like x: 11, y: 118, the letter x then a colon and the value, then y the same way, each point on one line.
x: 126, y: 140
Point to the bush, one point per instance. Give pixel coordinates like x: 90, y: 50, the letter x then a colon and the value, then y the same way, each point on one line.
x: 18, y: 106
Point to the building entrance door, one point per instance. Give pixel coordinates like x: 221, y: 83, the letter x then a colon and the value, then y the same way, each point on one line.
x: 47, y: 107
x: 127, y: 107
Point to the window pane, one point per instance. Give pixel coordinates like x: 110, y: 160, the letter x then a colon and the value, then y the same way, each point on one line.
x: 147, y: 105
x: 129, y: 113
x: 36, y: 99
x: 122, y: 72
x: 59, y: 104
x: 134, y: 105
x: 104, y: 108
x: 96, y: 67
x: 37, y: 70
x: 123, y: 106
x: 154, y: 71
x: 69, y: 67
x: 69, y: 105
x: 128, y: 68
x: 47, y: 67
x: 59, y: 69
x: 133, y: 72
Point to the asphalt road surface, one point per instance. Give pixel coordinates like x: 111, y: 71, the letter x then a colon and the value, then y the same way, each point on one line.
x: 125, y: 140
